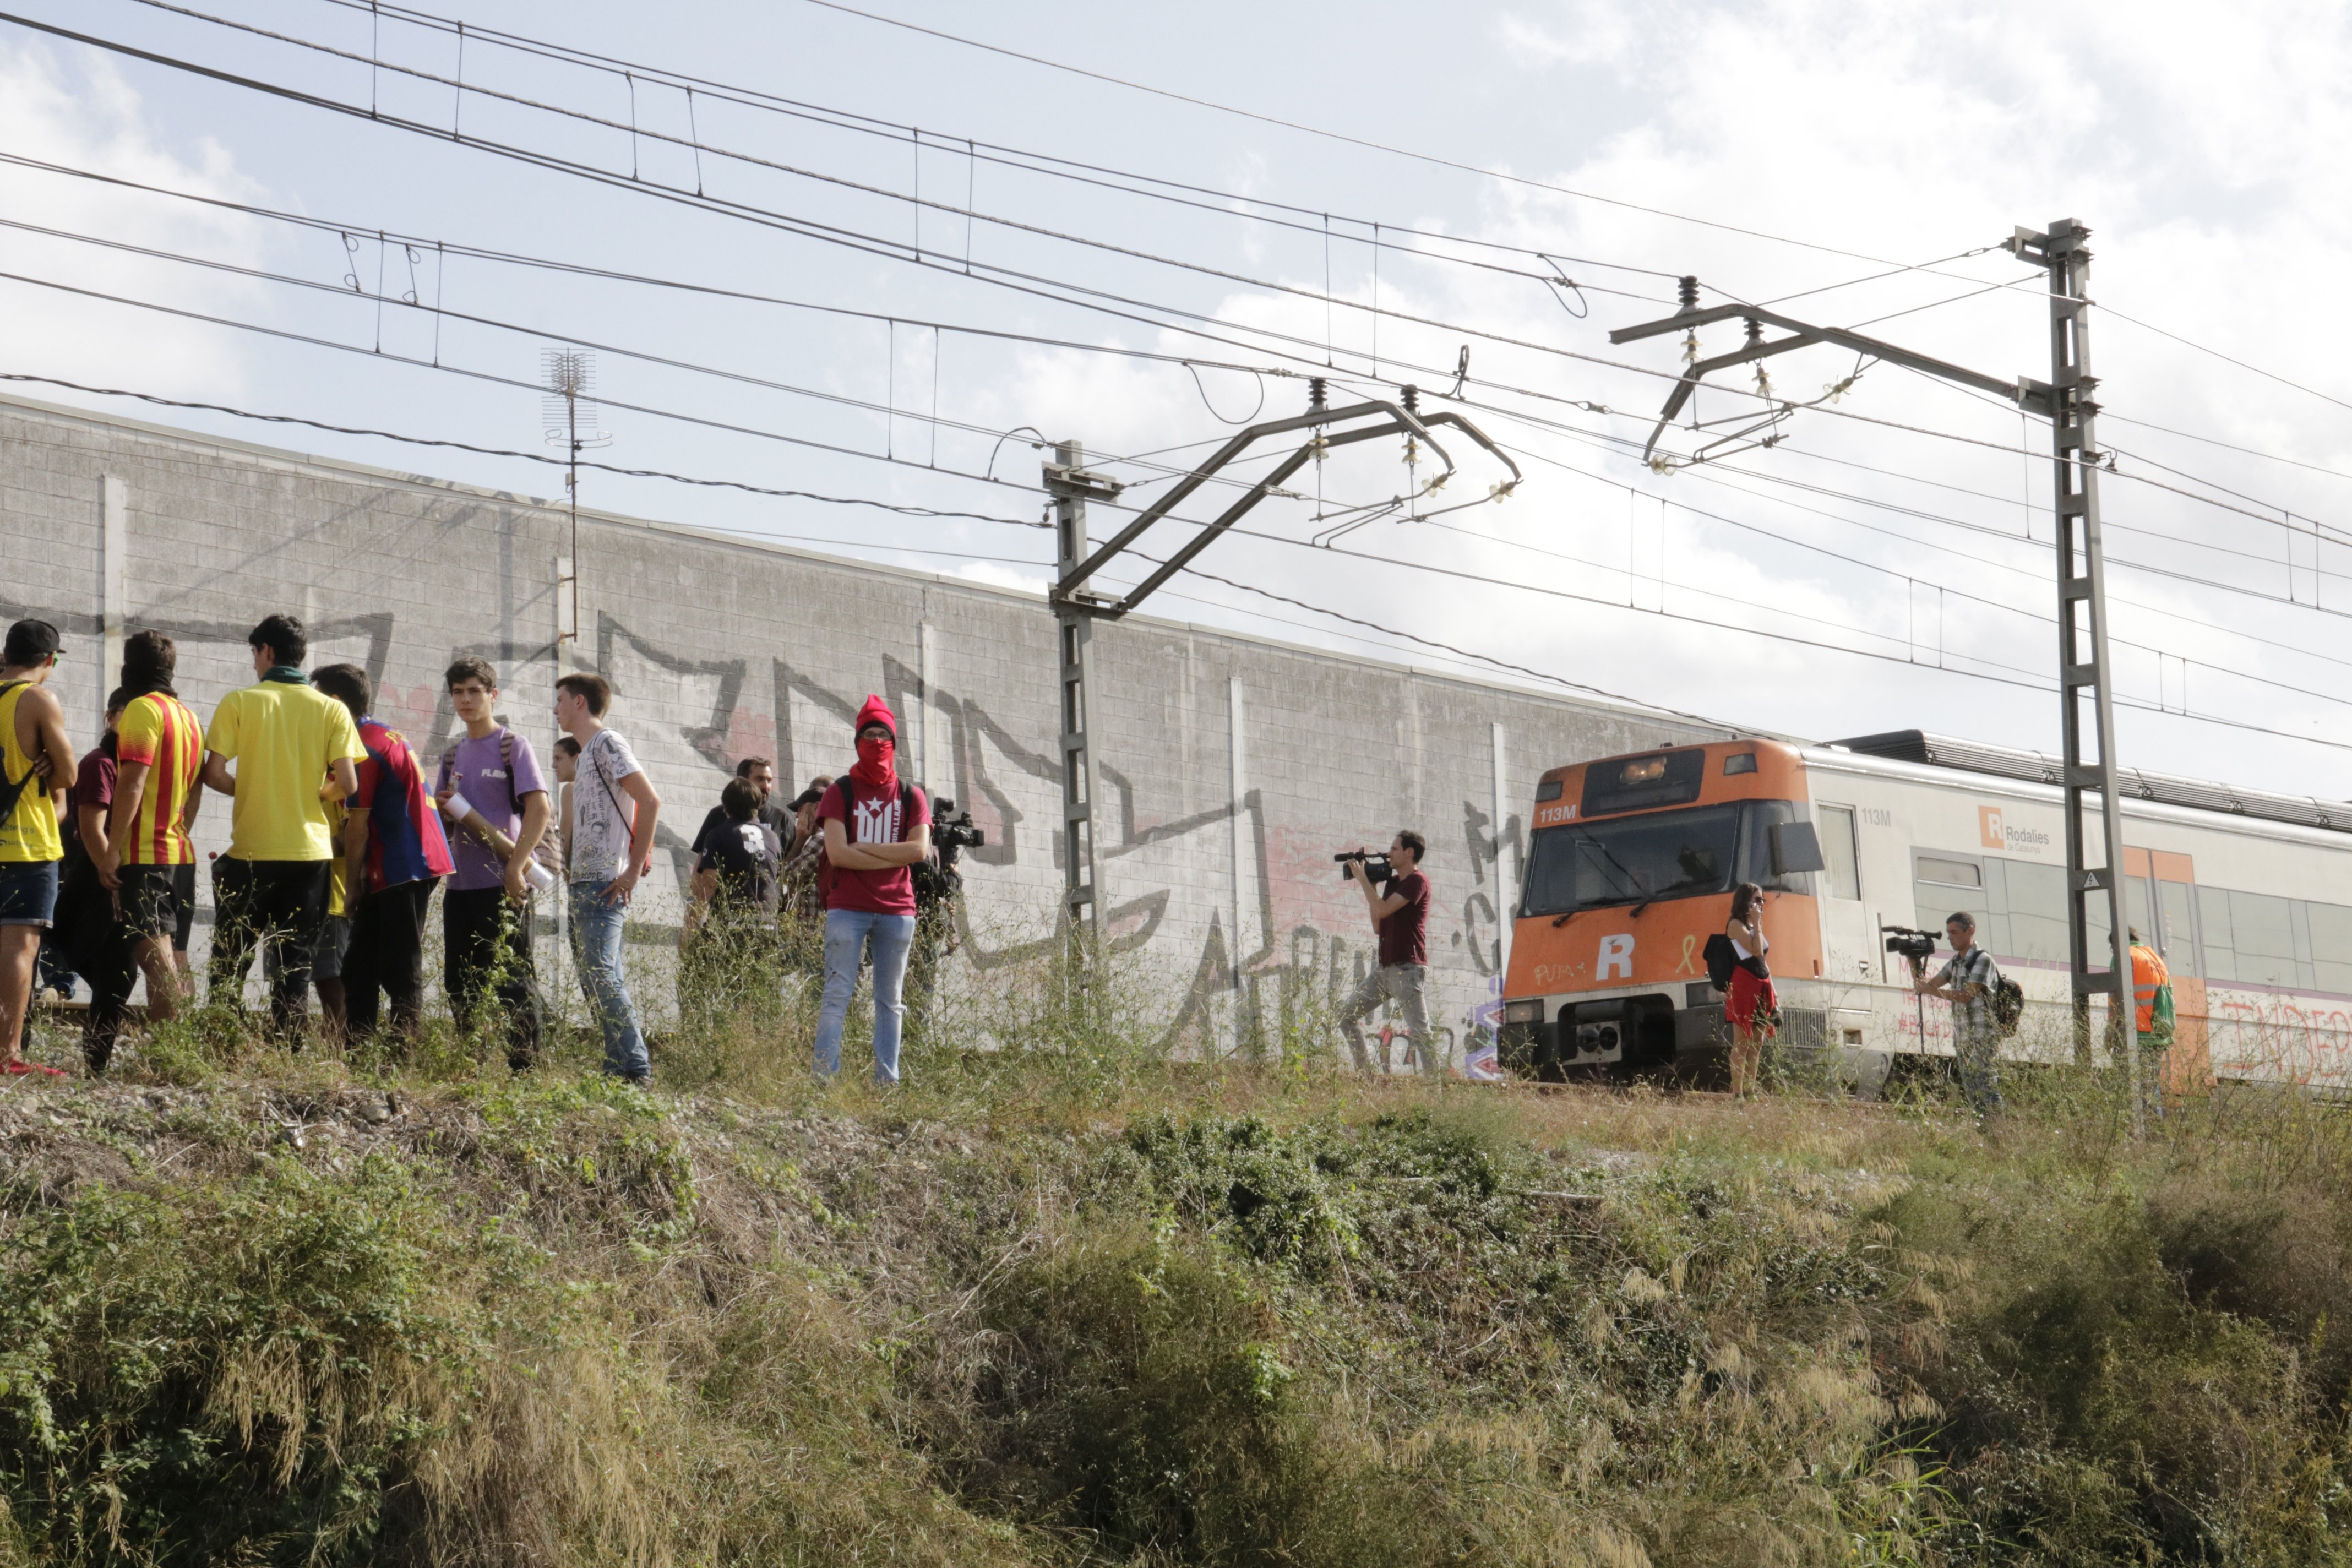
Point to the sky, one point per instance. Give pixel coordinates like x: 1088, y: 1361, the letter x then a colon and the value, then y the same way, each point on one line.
x: 897, y: 263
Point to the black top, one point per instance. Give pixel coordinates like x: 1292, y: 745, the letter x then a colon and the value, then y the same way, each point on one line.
x: 773, y: 817
x: 746, y: 856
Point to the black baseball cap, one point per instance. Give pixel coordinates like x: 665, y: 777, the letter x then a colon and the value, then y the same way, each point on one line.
x: 29, y: 642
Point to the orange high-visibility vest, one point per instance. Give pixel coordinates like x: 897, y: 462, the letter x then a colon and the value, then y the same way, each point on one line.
x: 2148, y: 973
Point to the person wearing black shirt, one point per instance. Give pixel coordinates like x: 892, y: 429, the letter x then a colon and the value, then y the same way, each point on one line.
x: 730, y: 929
x: 760, y: 774
x: 1400, y: 912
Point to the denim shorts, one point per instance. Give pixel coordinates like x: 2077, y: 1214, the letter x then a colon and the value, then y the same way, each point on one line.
x: 28, y: 892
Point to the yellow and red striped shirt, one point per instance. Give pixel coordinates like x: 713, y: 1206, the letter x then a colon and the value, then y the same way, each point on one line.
x: 165, y: 734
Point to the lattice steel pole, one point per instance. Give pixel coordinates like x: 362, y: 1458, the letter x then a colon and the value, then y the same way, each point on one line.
x: 1067, y: 481
x: 2083, y: 663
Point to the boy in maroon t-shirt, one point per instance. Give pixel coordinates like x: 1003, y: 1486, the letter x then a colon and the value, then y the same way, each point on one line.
x: 1400, y: 912
x: 876, y: 827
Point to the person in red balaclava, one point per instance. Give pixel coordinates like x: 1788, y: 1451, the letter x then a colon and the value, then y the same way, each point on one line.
x: 875, y: 828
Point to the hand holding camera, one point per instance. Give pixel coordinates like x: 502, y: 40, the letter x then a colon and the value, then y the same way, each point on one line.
x: 1363, y: 864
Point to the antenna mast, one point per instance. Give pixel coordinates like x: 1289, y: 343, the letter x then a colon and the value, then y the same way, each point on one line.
x: 568, y: 413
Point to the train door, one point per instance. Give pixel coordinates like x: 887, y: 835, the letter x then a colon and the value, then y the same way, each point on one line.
x: 1848, y: 938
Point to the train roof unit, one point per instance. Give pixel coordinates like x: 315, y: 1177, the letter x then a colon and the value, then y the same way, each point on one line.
x: 2037, y: 767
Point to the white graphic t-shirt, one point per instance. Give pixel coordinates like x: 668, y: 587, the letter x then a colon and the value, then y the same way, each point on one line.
x: 602, y: 813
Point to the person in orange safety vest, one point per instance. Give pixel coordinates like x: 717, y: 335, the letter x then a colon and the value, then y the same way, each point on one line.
x: 2148, y: 973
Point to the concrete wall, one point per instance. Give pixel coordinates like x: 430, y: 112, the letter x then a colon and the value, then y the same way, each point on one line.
x: 720, y: 648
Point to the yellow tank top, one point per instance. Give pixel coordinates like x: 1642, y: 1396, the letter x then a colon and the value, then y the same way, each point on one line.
x: 29, y: 832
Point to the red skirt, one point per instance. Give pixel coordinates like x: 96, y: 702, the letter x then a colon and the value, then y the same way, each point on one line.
x: 1750, y: 1004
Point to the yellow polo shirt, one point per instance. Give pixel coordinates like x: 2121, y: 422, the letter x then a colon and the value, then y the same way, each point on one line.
x: 283, y: 739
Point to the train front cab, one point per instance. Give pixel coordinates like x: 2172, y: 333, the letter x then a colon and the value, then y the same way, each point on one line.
x: 1632, y: 867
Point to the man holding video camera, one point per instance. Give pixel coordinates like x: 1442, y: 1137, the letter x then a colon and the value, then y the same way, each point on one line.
x: 1399, y: 905
x: 1968, y: 982
x: 937, y: 887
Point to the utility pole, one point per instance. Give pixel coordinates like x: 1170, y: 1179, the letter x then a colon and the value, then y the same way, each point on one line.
x: 2066, y: 400
x: 2082, y: 664
x: 1071, y: 486
x: 1076, y: 607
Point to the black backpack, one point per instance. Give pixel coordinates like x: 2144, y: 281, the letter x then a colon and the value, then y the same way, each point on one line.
x: 1720, y: 961
x: 2007, y: 1005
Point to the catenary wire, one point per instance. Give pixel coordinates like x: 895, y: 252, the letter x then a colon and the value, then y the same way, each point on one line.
x: 1079, y: 295
x: 1087, y: 298
x: 638, y: 132
x: 634, y: 131
x: 1022, y: 159
x: 633, y: 407
x: 1362, y: 555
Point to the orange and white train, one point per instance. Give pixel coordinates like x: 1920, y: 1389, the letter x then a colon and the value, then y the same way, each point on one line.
x: 1632, y: 860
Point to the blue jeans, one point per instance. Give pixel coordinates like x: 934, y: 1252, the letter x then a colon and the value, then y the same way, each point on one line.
x: 846, y: 932
x: 596, y: 946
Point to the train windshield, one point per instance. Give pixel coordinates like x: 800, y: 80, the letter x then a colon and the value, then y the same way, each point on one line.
x: 1655, y: 855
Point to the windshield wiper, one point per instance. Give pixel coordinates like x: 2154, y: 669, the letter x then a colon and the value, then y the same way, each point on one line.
x: 1603, y: 904
x: 1670, y: 887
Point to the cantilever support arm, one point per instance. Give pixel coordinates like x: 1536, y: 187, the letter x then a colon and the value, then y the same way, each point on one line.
x: 1398, y: 421
x: 2032, y: 395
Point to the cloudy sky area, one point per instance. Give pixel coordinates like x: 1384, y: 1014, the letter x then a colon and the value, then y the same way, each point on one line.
x: 1855, y: 577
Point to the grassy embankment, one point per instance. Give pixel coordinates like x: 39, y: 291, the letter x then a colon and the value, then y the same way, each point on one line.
x: 1070, y: 1303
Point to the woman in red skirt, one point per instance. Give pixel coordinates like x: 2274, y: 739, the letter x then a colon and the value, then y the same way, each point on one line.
x: 1751, y: 1003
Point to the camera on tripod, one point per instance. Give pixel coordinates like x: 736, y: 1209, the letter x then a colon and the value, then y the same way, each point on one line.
x: 951, y: 827
x: 1918, y: 946
x: 1377, y: 868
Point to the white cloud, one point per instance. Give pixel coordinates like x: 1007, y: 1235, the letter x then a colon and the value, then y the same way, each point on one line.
x: 88, y: 116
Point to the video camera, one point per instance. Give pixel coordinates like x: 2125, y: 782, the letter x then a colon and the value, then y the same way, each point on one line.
x: 1377, y: 868
x: 1918, y: 946
x: 954, y: 828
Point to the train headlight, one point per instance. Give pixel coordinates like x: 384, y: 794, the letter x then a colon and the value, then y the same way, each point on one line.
x: 1529, y: 1012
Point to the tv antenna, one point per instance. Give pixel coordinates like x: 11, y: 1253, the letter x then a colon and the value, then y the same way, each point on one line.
x: 568, y: 413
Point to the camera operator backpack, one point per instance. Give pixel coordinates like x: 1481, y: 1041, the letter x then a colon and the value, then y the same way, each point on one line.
x: 2007, y: 1005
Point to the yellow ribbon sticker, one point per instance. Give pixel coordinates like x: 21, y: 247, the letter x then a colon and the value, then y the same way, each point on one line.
x: 1686, y: 966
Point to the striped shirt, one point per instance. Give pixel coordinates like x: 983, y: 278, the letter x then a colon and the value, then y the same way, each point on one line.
x: 164, y: 733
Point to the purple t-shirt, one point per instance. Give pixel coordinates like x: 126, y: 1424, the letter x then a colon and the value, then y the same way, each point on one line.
x: 481, y: 773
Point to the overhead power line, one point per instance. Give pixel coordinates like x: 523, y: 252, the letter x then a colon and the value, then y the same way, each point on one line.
x: 1077, y: 295
x: 1027, y: 159
x: 464, y: 251
x: 1431, y: 158
x: 160, y: 401
x: 1361, y: 555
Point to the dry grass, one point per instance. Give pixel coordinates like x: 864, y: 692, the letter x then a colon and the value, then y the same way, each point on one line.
x: 1077, y: 1301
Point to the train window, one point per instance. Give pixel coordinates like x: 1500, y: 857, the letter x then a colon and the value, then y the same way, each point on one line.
x: 2177, y: 906
x: 1950, y: 873
x: 2262, y: 929
x: 1638, y: 784
x: 2331, y: 946
x: 1739, y: 763
x: 2136, y: 913
x: 1635, y: 860
x: 2220, y: 937
x: 1548, y: 790
x: 2036, y: 897
x: 1945, y: 884
x: 1842, y: 877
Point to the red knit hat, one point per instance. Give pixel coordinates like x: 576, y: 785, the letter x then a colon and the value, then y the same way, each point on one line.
x: 876, y: 712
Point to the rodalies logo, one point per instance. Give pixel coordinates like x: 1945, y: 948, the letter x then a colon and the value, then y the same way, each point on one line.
x: 1998, y: 834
